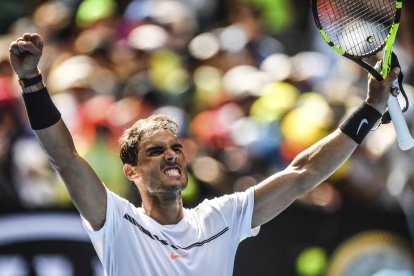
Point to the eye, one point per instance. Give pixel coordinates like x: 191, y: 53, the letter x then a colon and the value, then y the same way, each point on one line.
x: 155, y: 151
x: 178, y: 149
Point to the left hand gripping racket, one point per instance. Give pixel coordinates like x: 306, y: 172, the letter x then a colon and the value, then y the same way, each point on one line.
x: 360, y: 29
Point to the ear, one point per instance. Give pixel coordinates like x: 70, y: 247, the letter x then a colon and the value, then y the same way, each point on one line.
x: 130, y: 171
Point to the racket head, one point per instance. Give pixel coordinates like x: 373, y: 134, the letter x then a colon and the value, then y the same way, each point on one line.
x: 356, y: 28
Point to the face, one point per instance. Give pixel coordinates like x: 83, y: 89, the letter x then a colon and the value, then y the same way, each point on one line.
x: 161, y: 163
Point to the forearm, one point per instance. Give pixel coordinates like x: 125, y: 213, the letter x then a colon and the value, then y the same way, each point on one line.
x: 318, y: 162
x: 57, y: 143
x: 45, y: 120
x: 307, y: 170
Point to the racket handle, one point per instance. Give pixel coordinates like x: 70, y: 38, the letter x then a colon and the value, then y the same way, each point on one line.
x: 405, y: 140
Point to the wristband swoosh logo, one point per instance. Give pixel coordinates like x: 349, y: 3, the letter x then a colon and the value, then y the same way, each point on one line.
x: 363, y: 122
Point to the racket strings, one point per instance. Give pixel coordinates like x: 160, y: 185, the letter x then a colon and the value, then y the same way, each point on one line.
x: 365, y: 33
x: 356, y: 31
x: 338, y: 26
x: 345, y: 14
x: 360, y: 28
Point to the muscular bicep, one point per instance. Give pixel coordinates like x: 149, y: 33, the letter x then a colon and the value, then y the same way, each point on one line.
x: 86, y: 190
x: 275, y: 194
x: 84, y: 186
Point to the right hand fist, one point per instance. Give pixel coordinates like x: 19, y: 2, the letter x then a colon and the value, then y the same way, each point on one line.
x: 24, y: 54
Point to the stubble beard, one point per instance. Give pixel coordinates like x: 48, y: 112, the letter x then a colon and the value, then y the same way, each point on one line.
x: 158, y: 185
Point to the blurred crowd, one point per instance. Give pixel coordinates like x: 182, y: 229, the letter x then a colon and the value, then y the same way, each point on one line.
x: 250, y: 82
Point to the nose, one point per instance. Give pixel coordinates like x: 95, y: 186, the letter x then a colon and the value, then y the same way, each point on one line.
x: 172, y: 158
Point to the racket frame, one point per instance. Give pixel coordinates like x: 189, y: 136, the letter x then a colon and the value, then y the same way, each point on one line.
x: 405, y: 140
x: 387, y: 44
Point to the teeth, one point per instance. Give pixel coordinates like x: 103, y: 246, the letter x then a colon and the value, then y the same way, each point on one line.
x: 172, y: 172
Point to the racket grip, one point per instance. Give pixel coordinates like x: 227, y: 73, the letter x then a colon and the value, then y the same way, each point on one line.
x: 405, y: 140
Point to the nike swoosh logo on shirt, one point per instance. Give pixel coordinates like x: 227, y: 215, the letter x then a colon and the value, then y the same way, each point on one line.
x: 363, y: 122
x: 174, y: 256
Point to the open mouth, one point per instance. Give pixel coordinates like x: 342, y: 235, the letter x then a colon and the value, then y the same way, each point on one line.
x: 172, y: 172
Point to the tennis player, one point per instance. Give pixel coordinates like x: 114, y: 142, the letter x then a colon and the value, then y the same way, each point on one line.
x: 161, y: 237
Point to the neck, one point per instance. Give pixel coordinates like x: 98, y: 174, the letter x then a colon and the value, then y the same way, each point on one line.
x: 165, y: 209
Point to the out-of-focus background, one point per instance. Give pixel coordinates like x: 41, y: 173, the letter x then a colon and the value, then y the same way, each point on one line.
x: 251, y: 84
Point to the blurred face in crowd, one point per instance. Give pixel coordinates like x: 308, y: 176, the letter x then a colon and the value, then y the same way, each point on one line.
x: 161, y: 164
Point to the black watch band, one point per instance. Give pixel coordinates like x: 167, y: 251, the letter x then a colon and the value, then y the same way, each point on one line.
x: 30, y: 82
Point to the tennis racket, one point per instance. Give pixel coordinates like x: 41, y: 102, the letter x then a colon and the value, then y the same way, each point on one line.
x: 359, y: 30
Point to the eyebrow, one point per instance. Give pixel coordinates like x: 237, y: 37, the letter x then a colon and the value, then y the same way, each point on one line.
x: 177, y: 145
x: 151, y: 148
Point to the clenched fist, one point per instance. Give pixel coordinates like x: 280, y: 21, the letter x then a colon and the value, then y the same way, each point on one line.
x: 25, y: 53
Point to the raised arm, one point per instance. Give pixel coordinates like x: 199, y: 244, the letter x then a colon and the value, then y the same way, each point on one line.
x: 318, y: 162
x: 85, y: 188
